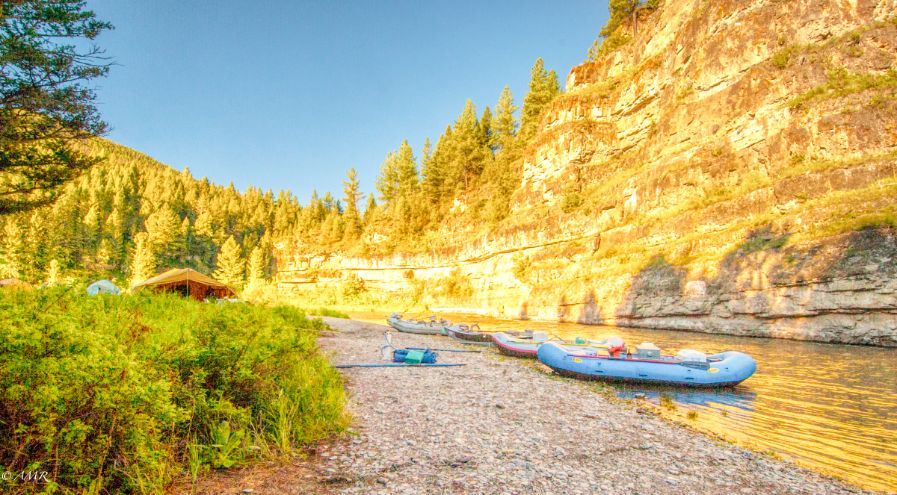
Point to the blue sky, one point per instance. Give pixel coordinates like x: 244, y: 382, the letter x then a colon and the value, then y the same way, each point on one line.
x: 291, y: 94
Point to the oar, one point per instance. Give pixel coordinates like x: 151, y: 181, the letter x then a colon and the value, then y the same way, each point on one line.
x: 440, y: 350
x: 395, y: 365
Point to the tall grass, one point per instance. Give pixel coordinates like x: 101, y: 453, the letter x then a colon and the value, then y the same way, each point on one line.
x: 123, y: 394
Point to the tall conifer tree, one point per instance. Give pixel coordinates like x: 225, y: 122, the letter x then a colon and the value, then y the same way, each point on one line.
x: 230, y: 265
x: 352, y: 195
x: 143, y: 265
x: 543, y: 87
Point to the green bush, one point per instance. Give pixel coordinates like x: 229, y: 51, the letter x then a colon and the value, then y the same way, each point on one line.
x: 571, y: 201
x: 123, y: 394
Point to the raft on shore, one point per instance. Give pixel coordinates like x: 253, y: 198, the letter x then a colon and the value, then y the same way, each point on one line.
x: 430, y: 327
x: 468, y: 333
x: 689, y: 368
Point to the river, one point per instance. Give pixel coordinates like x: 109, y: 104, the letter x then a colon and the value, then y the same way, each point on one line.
x: 830, y: 408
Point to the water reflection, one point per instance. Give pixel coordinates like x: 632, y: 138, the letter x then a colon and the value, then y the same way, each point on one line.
x: 831, y: 408
x: 717, y: 399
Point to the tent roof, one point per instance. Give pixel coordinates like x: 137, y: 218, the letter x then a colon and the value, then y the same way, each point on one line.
x: 176, y: 275
x: 103, y: 285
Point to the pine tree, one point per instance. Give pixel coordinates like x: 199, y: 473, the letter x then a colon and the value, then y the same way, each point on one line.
x: 143, y: 264
x: 470, y: 150
x: 230, y: 265
x: 166, y: 235
x: 257, y: 267
x: 486, y: 128
x: 434, y: 171
x: 543, y: 87
x: 49, y: 105
x: 370, y: 210
x: 37, y: 244
x: 406, y: 167
x: 352, y: 197
x: 388, y: 181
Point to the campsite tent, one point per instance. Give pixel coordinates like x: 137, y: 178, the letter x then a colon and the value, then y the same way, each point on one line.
x: 186, y: 282
x: 103, y: 287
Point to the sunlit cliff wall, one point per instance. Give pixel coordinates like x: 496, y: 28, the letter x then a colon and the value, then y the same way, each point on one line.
x: 731, y: 169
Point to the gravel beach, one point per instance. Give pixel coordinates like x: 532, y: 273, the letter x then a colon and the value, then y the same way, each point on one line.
x: 498, y: 426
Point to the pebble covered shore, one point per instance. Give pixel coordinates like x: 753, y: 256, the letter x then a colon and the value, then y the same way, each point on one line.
x: 497, y: 426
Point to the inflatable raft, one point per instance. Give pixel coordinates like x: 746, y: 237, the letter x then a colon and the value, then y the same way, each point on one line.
x: 431, y: 327
x: 468, y: 333
x: 689, y: 368
x: 526, y: 344
x: 517, y: 346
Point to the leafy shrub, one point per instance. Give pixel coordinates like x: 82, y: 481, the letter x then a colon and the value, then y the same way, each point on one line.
x: 456, y: 285
x: 122, y: 394
x: 353, y: 286
x: 782, y: 58
x: 571, y: 201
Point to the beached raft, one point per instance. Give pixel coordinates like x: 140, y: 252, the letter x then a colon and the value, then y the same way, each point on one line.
x: 519, y: 346
x: 469, y: 334
x: 526, y: 344
x: 689, y: 368
x: 431, y: 327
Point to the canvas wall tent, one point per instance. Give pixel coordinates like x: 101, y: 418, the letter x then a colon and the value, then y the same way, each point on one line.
x: 103, y: 287
x: 188, y: 283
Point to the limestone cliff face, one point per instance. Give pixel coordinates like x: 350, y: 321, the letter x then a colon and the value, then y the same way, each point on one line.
x: 732, y: 169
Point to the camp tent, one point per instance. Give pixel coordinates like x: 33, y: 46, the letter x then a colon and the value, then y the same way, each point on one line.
x: 188, y: 283
x: 103, y: 287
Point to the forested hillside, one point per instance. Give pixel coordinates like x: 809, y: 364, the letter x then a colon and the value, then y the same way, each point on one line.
x: 130, y: 216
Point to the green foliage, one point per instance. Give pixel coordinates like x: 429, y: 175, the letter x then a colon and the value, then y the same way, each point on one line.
x: 352, y: 195
x: 353, y: 286
x: 144, y: 263
x: 328, y: 312
x: 46, y: 104
x: 612, y: 35
x: 763, y: 240
x: 456, y: 285
x: 571, y: 202
x: 522, y: 265
x: 609, y: 44
x: 258, y: 266
x: 504, y: 124
x: 841, y: 82
x: 122, y: 394
x: 230, y: 264
x: 131, y: 216
x: 543, y: 88
x: 782, y: 58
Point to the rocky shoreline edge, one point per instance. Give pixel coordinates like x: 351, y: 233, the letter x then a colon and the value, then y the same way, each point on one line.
x: 497, y: 426
x: 502, y: 425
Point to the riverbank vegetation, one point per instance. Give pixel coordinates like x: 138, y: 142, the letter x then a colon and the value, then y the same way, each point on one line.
x: 126, y: 394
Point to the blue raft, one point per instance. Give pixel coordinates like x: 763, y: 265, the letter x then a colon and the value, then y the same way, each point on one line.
x: 725, y: 369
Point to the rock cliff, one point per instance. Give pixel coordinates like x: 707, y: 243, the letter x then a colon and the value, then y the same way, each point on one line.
x: 731, y: 169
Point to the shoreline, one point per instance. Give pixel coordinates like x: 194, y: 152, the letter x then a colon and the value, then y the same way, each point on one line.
x: 496, y: 426
x: 353, y: 311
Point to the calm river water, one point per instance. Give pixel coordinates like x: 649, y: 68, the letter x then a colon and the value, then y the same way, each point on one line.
x: 831, y: 408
